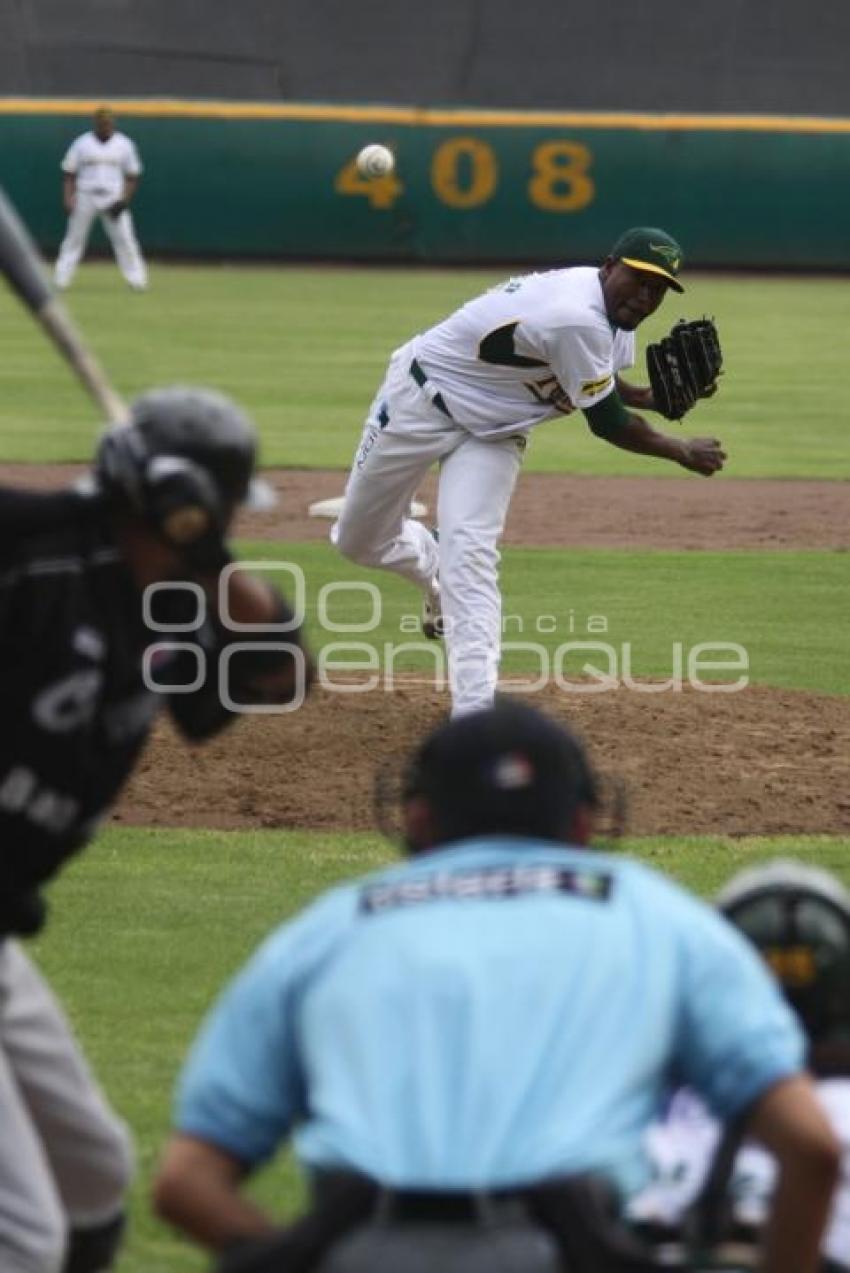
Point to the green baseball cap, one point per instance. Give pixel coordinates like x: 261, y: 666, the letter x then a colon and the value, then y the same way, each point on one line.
x: 645, y: 247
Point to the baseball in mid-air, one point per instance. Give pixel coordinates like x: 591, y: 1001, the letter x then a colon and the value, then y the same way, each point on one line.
x: 375, y: 161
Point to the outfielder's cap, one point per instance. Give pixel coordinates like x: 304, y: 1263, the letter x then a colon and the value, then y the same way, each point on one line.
x: 647, y: 248
x: 508, y: 770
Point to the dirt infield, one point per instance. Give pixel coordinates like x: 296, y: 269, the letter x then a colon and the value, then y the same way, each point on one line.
x: 615, y: 512
x: 582, y: 512
x: 760, y: 761
x: 756, y: 762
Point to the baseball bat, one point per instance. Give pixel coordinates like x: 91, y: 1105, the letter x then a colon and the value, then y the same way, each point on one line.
x: 22, y: 265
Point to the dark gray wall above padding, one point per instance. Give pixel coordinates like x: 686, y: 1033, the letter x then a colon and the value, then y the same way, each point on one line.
x: 774, y: 56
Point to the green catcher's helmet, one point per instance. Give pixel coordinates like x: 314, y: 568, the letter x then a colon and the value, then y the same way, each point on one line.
x: 798, y: 917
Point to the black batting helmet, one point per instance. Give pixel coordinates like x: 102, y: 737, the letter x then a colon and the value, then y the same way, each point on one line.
x: 798, y: 917
x: 183, y: 461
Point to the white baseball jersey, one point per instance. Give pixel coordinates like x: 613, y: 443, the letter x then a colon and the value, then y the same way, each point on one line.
x: 101, y: 166
x: 681, y: 1150
x: 530, y: 349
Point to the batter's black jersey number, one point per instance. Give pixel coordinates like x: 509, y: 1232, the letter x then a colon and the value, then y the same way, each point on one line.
x: 498, y: 348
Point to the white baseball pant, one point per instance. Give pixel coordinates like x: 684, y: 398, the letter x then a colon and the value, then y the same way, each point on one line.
x: 65, y: 1158
x: 121, y: 235
x: 405, y: 433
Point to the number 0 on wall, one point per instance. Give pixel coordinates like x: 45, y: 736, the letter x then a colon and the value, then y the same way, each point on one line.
x: 464, y: 172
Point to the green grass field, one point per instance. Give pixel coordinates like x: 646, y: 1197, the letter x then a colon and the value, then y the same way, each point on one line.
x: 304, y: 349
x: 718, y: 597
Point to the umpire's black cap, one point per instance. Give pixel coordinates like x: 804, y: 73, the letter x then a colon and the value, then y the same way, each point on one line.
x: 509, y: 770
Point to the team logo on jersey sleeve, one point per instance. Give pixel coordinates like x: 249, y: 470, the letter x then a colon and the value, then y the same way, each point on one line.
x: 591, y: 387
x: 550, y: 393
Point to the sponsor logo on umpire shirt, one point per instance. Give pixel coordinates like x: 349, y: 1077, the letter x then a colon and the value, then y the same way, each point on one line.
x: 488, y: 883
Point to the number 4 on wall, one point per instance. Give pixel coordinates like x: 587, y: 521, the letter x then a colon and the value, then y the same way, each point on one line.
x: 381, y: 192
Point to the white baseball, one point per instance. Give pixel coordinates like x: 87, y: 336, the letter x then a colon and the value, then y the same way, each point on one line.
x: 375, y: 161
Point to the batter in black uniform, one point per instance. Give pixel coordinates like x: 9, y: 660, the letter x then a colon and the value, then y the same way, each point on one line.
x: 77, y: 700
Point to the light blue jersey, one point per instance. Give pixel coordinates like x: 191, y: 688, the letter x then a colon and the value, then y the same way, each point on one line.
x: 486, y: 1015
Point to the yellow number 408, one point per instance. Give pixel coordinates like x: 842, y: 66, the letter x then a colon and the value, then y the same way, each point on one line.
x: 465, y: 174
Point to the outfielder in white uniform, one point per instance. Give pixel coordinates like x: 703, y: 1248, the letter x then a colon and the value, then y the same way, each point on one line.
x: 799, y: 919
x: 465, y: 394
x: 101, y: 172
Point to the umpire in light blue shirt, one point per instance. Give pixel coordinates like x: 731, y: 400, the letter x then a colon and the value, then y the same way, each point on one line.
x: 465, y: 1048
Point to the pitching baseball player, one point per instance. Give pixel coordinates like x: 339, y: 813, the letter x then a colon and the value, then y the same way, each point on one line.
x: 101, y: 172
x: 78, y: 709
x: 466, y: 394
x: 453, y: 1041
x: 798, y: 918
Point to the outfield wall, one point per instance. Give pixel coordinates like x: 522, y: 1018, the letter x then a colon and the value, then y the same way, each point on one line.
x: 242, y: 180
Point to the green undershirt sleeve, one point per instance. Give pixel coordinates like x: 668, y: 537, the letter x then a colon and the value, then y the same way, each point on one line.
x: 608, y: 416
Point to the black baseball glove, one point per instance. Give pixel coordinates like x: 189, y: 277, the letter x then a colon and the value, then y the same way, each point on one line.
x: 684, y: 366
x: 115, y: 209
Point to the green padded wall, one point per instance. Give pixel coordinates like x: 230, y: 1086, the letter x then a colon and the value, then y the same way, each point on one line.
x: 240, y: 180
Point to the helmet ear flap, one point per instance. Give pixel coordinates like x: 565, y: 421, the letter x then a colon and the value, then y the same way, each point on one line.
x: 182, y: 500
x: 179, y: 498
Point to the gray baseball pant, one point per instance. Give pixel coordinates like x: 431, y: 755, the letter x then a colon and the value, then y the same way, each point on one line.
x: 65, y: 1157
x: 448, y: 1248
